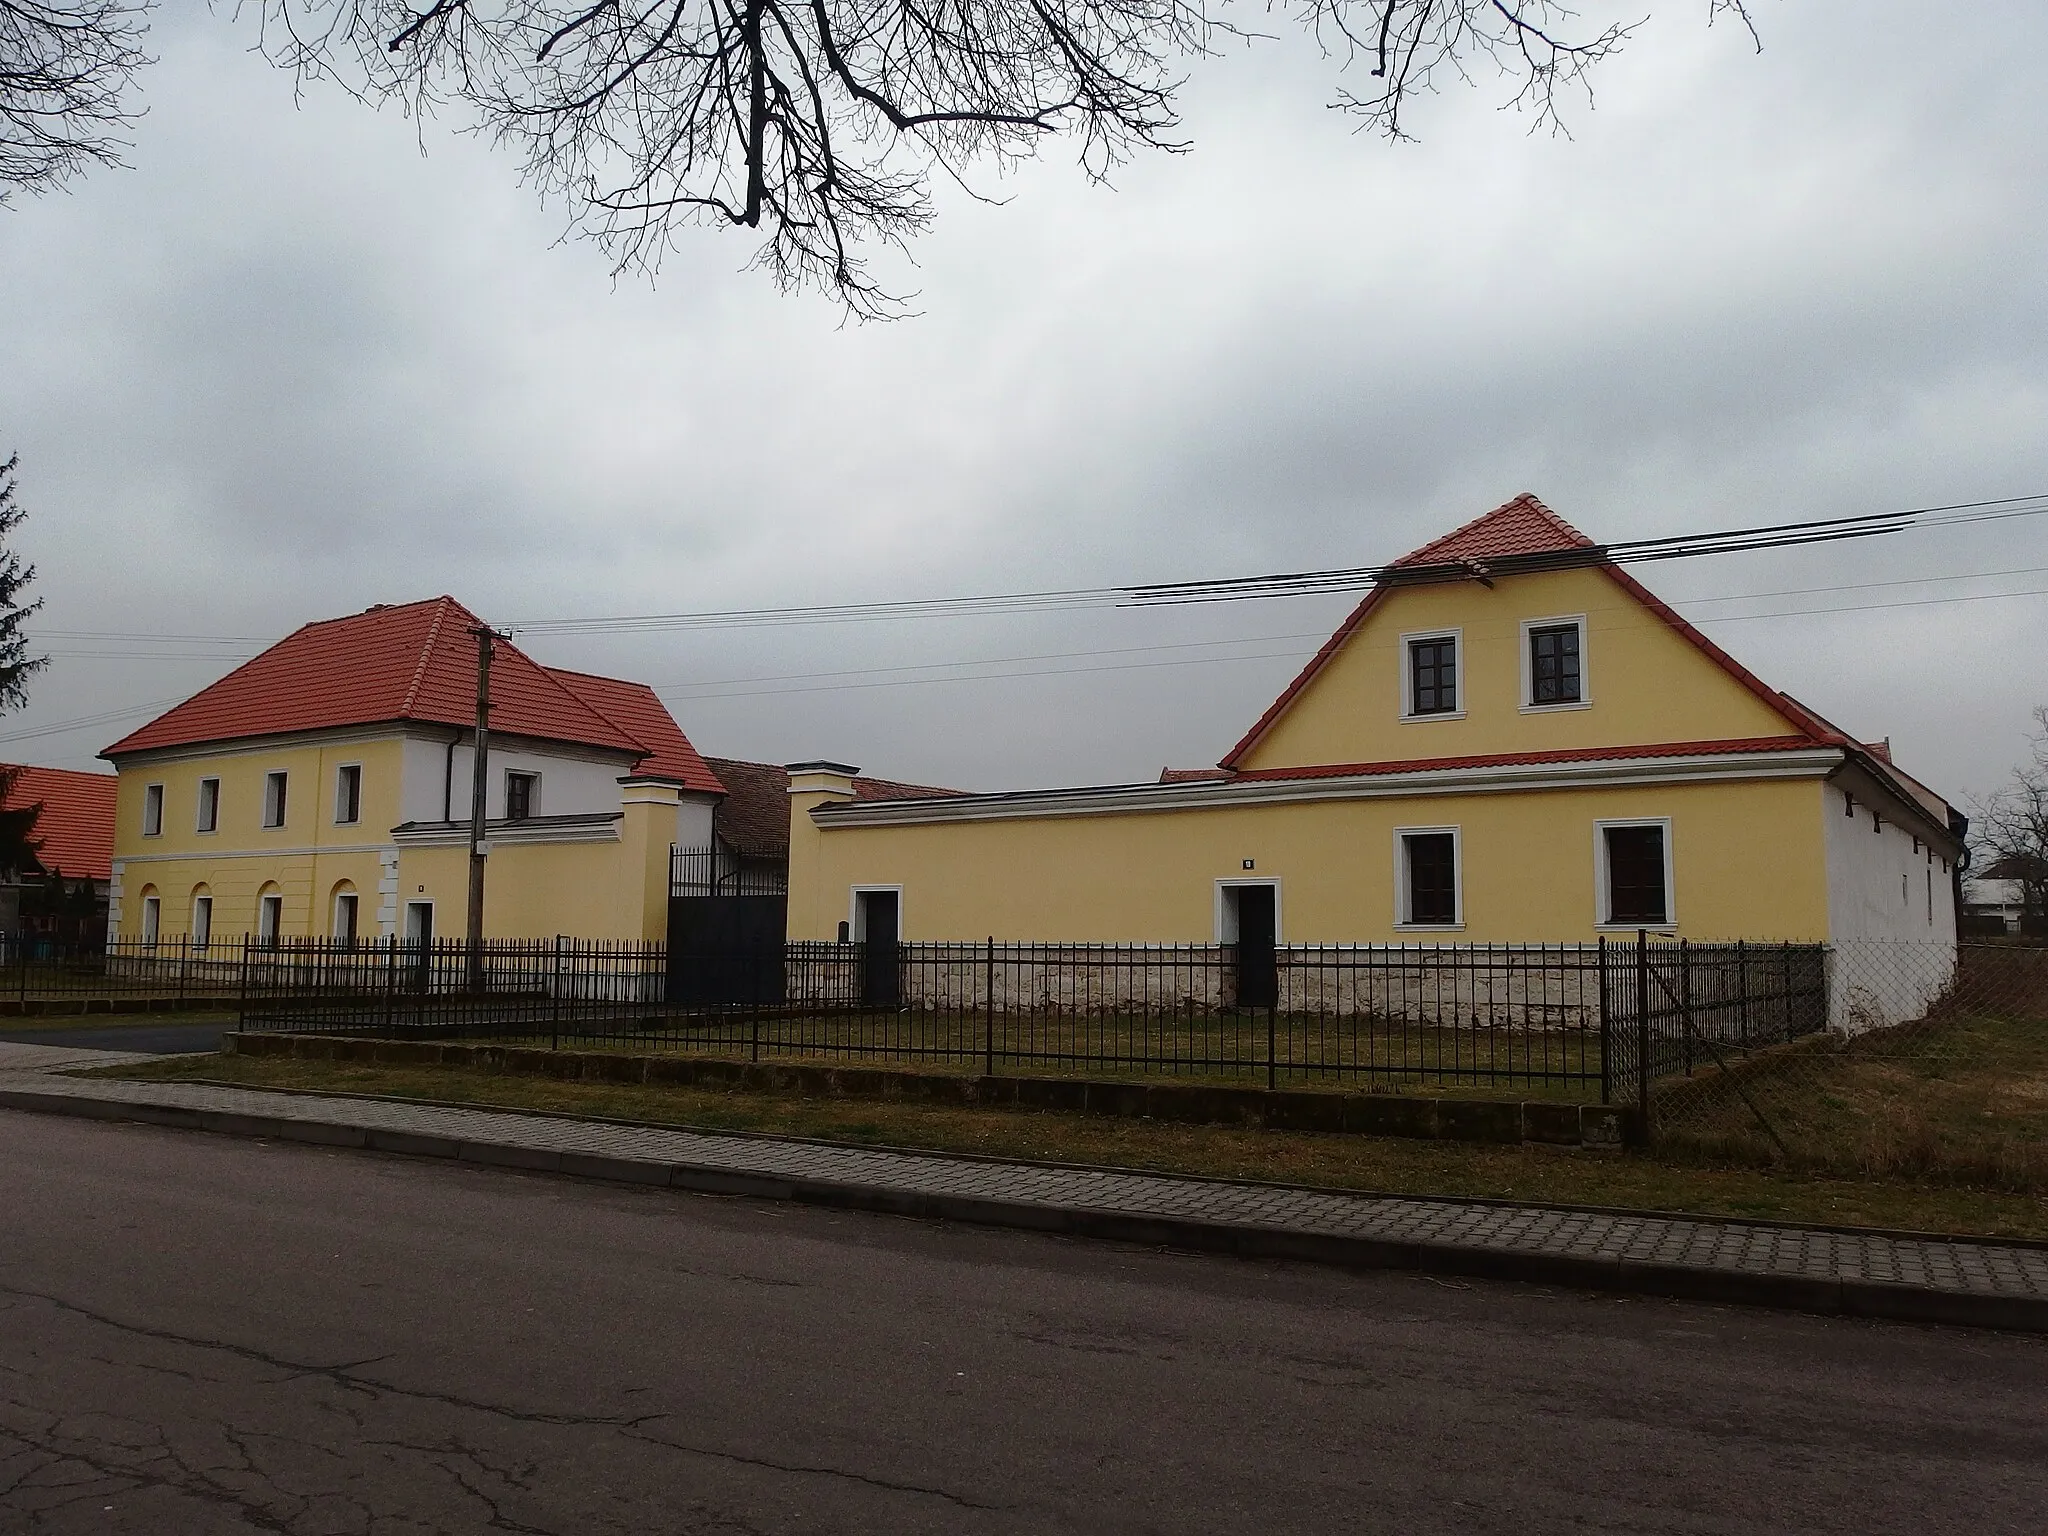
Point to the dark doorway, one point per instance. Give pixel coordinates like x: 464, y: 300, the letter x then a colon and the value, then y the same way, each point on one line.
x: 1257, y: 972
x: 881, y: 984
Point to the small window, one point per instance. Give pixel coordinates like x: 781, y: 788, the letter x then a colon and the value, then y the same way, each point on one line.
x: 209, y: 805
x: 1433, y: 675
x: 273, y: 799
x: 522, y: 796
x: 345, y: 917
x: 202, y: 922
x: 1556, y: 675
x: 153, y: 810
x: 152, y: 919
x: 1636, y: 884
x: 348, y: 794
x: 1429, y: 879
x: 269, y: 919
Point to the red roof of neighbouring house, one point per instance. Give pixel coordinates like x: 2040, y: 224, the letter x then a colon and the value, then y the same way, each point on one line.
x: 753, y: 818
x: 636, y: 709
x: 75, y: 832
x: 411, y: 662
x: 1525, y: 526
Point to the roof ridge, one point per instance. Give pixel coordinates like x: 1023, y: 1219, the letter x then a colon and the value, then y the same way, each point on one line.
x: 555, y: 676
x: 1525, y: 501
x: 419, y: 667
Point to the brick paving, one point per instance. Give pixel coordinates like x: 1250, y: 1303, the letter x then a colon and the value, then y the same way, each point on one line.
x: 1772, y: 1264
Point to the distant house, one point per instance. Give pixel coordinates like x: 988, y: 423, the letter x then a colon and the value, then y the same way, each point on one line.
x: 63, y: 891
x: 323, y: 788
x: 1997, y: 893
x: 1510, y: 740
x: 751, y: 823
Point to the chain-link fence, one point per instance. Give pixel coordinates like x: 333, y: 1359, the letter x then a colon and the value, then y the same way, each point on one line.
x: 1933, y: 1064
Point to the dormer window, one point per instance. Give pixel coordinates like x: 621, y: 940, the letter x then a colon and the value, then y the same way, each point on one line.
x: 522, y: 795
x: 1429, y: 676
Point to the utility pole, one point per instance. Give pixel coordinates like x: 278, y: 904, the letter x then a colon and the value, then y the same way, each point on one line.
x: 479, y: 786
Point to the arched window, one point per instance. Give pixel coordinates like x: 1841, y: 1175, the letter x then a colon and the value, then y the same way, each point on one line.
x: 269, y: 914
x: 202, y: 916
x: 344, y: 907
x: 152, y: 915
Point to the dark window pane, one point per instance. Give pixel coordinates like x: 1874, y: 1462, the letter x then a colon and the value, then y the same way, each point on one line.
x: 518, y: 796
x: 1635, y: 875
x: 1554, y: 665
x: 1432, y: 877
x: 1433, y: 676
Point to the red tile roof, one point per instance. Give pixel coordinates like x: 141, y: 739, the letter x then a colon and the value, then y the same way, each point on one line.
x: 753, y: 819
x: 75, y: 832
x: 640, y: 714
x: 415, y: 662
x: 1523, y: 526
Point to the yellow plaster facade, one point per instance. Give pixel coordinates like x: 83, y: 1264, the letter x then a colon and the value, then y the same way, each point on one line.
x: 611, y: 884
x: 1747, y: 796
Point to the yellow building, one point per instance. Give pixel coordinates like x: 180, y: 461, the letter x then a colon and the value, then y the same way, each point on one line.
x: 1510, y: 740
x: 323, y: 789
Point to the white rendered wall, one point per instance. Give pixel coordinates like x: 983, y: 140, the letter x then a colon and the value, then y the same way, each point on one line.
x: 1891, y: 917
x: 571, y: 783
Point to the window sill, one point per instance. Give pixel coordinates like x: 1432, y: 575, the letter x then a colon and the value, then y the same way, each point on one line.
x: 1555, y: 709
x: 1429, y: 927
x: 1449, y: 714
x: 1636, y: 927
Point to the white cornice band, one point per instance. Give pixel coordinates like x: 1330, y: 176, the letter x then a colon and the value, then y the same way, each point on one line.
x: 1130, y: 799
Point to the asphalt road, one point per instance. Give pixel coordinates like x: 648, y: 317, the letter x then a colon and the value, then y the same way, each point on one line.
x: 201, y: 1335
x: 163, y: 1039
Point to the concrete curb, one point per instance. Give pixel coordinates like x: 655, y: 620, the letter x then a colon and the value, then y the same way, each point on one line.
x: 1824, y: 1296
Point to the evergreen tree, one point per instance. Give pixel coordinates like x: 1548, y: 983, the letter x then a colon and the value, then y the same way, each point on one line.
x: 17, y: 666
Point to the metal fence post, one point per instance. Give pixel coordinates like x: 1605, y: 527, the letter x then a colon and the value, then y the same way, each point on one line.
x: 988, y: 990
x: 555, y: 1000
x: 242, y: 993
x: 390, y: 982
x: 1606, y: 1031
x: 1272, y: 1065
x: 184, y: 965
x: 1643, y: 1029
x: 1742, y: 987
x: 1685, y: 1001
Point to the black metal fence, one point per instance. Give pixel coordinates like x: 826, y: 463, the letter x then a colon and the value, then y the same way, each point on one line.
x: 42, y: 974
x: 1580, y: 1021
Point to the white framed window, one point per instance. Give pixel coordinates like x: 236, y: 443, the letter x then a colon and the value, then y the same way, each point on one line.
x: 1554, y: 663
x: 1429, y: 878
x: 202, y: 921
x: 522, y: 795
x: 1432, y: 675
x: 876, y: 911
x: 419, y: 922
x: 274, y: 798
x: 152, y: 810
x: 1632, y: 874
x: 152, y: 919
x: 269, y: 918
x: 345, y: 909
x: 208, y: 818
x: 348, y: 794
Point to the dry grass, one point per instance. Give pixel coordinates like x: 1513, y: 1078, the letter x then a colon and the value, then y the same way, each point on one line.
x: 1387, y: 1164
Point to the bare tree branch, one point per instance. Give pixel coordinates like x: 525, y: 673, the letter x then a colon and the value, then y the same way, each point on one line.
x: 817, y: 123
x: 65, y: 68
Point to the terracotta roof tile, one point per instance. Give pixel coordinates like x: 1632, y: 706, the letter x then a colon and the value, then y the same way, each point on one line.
x: 1523, y: 526
x: 636, y: 710
x: 415, y: 661
x: 75, y: 831
x: 753, y: 819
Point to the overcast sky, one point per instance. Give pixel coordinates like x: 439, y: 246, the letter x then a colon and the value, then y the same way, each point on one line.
x: 287, y: 366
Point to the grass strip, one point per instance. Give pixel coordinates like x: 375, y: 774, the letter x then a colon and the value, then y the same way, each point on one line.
x: 1392, y: 1165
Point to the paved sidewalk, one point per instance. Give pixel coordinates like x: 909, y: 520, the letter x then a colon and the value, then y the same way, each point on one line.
x: 1862, y: 1274
x: 17, y: 1057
